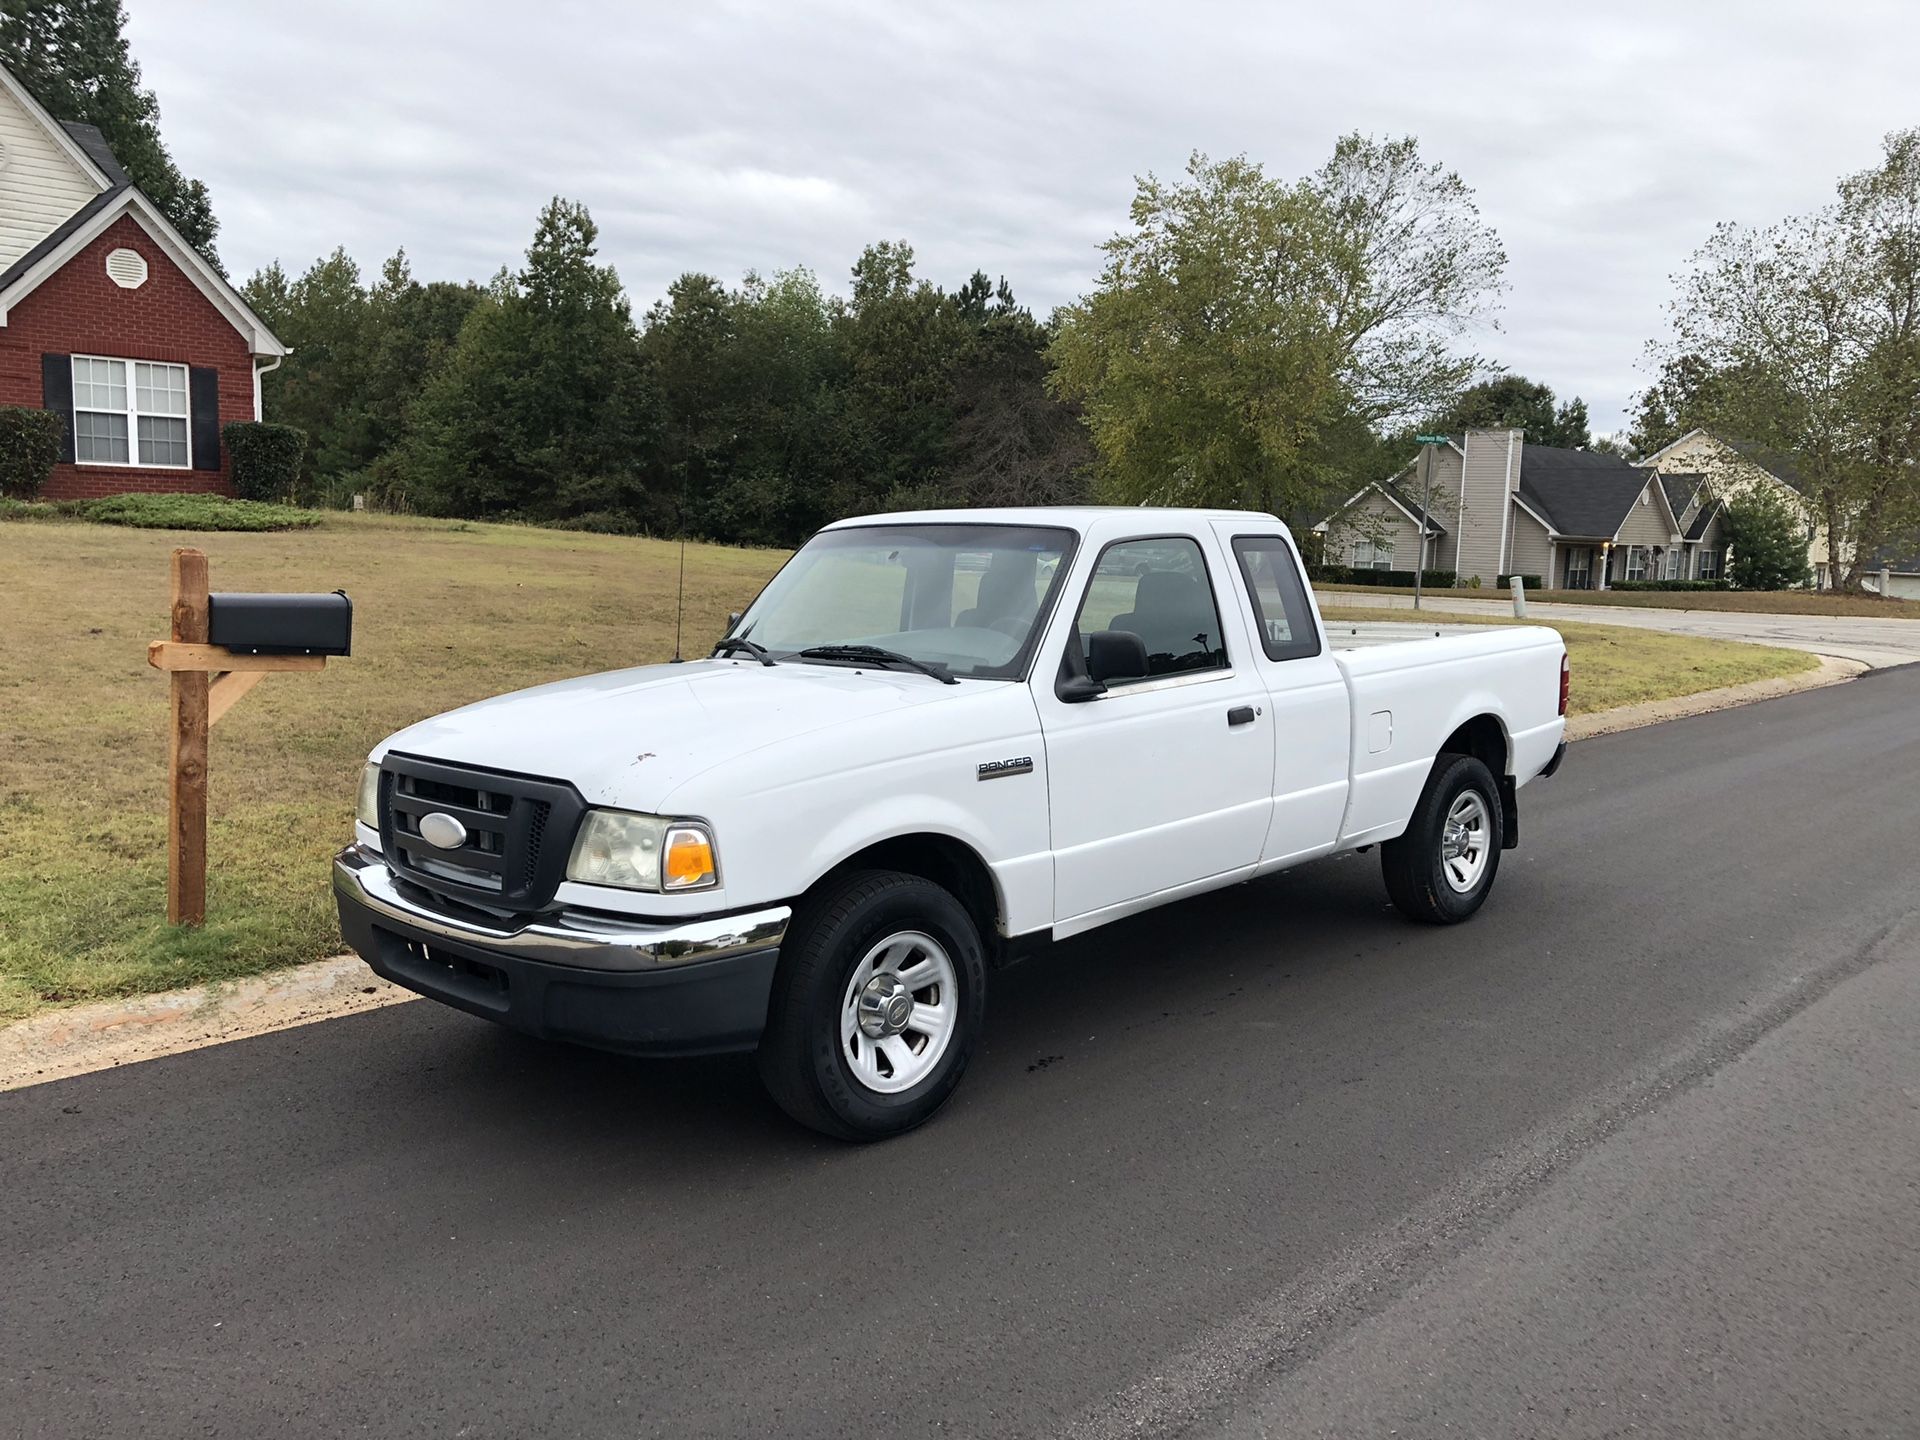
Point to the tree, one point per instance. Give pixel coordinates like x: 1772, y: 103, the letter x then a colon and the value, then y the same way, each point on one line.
x: 321, y: 387
x: 1243, y: 319
x: 541, y: 409
x: 72, y: 56
x: 1802, y: 340
x: 1513, y: 401
x: 1768, y: 538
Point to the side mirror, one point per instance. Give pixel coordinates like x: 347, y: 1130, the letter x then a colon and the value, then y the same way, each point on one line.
x: 733, y: 619
x: 1116, y: 655
x: 1079, y: 689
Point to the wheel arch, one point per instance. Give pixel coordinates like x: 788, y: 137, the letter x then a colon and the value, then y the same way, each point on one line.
x: 1485, y: 738
x: 948, y: 862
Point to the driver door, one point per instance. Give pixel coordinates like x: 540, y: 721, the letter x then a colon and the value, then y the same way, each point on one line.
x: 1162, y: 782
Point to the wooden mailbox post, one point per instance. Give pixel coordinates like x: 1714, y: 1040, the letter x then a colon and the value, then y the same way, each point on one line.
x: 205, y: 679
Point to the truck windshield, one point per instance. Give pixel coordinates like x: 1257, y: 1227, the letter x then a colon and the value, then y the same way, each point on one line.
x: 968, y: 598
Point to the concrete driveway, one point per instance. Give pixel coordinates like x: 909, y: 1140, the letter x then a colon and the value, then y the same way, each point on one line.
x: 1874, y: 642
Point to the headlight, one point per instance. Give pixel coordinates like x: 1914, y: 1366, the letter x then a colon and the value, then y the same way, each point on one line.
x: 642, y: 852
x: 366, y: 808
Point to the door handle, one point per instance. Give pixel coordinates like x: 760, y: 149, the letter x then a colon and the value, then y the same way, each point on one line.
x: 1241, y: 715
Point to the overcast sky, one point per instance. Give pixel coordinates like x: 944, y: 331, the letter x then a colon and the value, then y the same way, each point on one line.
x: 1603, y: 142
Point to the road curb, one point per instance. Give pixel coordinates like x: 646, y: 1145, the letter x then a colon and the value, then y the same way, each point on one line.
x: 1830, y: 671
x: 85, y: 1038
x: 101, y: 1036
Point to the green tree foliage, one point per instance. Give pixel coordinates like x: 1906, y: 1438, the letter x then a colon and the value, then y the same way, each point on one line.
x: 1244, y: 320
x: 361, y: 356
x: 1768, y: 539
x: 1513, y: 401
x: 540, y: 409
x: 73, y: 58
x: 1802, y: 340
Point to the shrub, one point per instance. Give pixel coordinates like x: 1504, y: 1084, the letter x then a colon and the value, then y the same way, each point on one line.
x: 1768, y: 539
x: 28, y: 509
x: 193, y: 512
x: 1669, y: 585
x: 1505, y: 582
x: 264, y: 460
x: 1347, y: 575
x: 29, y: 447
x: 601, y: 522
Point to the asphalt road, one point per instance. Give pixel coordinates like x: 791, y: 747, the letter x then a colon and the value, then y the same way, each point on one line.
x: 1269, y: 1162
x: 1866, y: 638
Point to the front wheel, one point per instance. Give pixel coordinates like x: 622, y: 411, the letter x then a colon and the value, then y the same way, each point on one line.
x: 876, y: 1006
x: 1440, y: 870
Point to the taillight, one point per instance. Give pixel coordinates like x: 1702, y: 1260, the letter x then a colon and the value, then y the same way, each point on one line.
x: 1566, y: 681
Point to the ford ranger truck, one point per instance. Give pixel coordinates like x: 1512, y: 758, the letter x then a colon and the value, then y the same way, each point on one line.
x: 932, y: 741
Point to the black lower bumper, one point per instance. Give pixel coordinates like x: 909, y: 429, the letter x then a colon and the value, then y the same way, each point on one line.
x: 694, y: 1009
x: 1559, y: 754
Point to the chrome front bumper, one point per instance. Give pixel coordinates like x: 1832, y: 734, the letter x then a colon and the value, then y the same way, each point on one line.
x: 583, y: 942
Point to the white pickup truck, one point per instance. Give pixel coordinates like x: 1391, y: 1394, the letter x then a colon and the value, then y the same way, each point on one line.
x: 932, y: 739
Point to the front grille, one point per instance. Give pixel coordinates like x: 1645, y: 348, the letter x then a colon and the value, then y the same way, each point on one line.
x: 518, y: 831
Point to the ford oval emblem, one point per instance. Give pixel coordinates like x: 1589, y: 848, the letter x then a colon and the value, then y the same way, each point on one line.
x: 442, y: 830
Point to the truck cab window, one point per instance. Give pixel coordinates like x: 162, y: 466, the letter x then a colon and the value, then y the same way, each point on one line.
x: 1279, y: 597
x: 1158, y: 590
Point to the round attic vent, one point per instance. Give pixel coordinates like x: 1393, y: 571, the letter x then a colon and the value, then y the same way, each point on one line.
x: 127, y: 269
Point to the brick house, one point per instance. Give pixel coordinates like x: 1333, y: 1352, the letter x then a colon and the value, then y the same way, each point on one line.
x: 110, y: 318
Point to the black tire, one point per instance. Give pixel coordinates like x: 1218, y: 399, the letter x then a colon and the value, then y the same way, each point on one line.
x: 1414, y: 866
x: 802, y: 1062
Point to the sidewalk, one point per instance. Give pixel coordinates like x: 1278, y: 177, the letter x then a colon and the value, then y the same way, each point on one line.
x: 1874, y: 643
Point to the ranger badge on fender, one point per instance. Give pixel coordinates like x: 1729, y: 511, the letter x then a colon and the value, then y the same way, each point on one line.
x: 997, y: 769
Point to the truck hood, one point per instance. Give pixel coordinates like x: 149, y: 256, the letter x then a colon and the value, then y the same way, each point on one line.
x: 630, y: 738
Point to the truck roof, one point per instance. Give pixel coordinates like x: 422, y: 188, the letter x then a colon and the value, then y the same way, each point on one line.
x: 1073, y: 517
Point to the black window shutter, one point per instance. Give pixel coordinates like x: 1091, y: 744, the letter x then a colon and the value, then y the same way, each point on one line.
x: 203, y: 403
x: 56, y: 394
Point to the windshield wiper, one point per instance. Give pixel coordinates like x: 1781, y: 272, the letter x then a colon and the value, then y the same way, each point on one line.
x: 876, y: 655
x: 740, y: 642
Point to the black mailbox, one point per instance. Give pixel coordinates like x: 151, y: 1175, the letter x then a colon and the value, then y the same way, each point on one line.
x: 281, y: 624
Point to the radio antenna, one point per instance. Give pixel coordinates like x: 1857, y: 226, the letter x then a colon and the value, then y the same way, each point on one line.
x: 680, y: 600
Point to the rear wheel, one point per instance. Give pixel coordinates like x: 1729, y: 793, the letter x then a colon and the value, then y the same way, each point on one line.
x: 1440, y: 870
x: 876, y: 1006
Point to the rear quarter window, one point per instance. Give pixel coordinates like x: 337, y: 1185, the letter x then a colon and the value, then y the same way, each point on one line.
x: 1282, y: 616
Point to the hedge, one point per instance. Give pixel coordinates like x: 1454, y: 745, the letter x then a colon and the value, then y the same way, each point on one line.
x: 1669, y: 584
x: 29, y: 446
x: 265, y: 458
x: 1403, y: 579
x: 1505, y: 582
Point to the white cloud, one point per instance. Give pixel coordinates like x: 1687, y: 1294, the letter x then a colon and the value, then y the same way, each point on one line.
x: 1603, y: 143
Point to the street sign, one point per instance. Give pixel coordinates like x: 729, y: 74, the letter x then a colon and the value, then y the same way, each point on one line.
x: 1433, y: 439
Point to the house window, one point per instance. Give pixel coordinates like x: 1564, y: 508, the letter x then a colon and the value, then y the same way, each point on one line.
x: 1371, y: 555
x: 130, y: 412
x: 1709, y: 568
x: 1670, y: 569
x: 1636, y: 563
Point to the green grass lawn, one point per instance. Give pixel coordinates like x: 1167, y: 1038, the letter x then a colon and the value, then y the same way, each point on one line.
x: 1760, y: 602
x: 445, y: 613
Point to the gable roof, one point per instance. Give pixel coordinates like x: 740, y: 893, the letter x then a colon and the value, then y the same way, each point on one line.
x: 118, y: 197
x: 1681, y: 491
x: 1771, y: 461
x: 61, y: 135
x: 1698, y: 529
x: 90, y: 140
x: 1406, y: 504
x: 1581, y: 492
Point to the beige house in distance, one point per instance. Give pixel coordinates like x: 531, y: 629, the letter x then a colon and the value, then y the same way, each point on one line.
x: 1732, y: 468
x: 1499, y: 506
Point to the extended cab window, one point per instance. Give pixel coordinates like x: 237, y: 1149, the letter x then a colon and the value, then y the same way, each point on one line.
x: 1285, y: 620
x: 1158, y: 590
